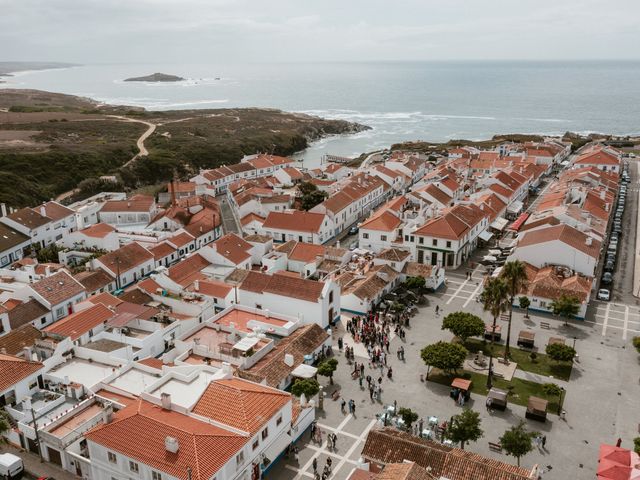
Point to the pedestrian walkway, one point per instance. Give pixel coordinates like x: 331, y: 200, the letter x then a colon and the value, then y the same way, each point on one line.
x: 229, y: 221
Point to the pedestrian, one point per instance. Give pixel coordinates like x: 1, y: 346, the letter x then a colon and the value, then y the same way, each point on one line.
x: 340, y: 344
x: 380, y: 380
x: 371, y: 392
x: 343, y: 404
x: 313, y: 429
x: 329, y: 462
x: 360, y: 380
x: 437, y: 309
x: 489, y: 404
x: 544, y: 442
x: 315, y: 465
x: 362, y: 369
x: 390, y: 373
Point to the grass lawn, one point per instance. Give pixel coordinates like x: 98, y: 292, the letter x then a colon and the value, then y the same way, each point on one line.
x: 543, y: 365
x: 518, y: 390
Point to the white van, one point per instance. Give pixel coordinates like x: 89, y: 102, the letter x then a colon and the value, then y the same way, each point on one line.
x: 11, y: 466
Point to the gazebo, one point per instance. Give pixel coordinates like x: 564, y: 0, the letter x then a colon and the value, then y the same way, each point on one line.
x: 537, y: 409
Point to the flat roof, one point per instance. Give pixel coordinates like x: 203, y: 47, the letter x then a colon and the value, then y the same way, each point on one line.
x: 184, y: 393
x: 83, y: 372
x: 75, y: 421
x: 241, y: 318
x: 135, y: 381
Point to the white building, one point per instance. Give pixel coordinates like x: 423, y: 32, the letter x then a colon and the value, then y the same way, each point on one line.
x: 44, y: 225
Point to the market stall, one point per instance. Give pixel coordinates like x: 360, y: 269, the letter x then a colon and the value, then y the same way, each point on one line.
x: 537, y: 409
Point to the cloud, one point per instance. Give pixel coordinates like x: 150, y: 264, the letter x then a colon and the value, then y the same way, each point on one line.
x: 283, y: 30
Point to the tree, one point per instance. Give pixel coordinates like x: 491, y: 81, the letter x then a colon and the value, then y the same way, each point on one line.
x: 515, y: 276
x: 560, y: 352
x: 308, y: 386
x: 636, y: 445
x: 446, y: 356
x: 494, y: 300
x: 465, y: 427
x: 551, y: 389
x: 525, y: 303
x: 566, y: 307
x: 517, y: 442
x: 415, y: 283
x: 408, y: 416
x: 305, y: 188
x: 463, y: 325
x: 636, y: 343
x: 312, y: 199
x: 48, y: 254
x: 327, y: 367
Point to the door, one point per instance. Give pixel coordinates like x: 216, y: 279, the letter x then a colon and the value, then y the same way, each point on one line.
x: 420, y: 256
x: 434, y: 258
x: 54, y: 456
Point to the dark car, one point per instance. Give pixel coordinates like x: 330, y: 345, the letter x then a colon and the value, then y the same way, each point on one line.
x: 353, y: 230
x: 607, y: 278
x: 609, y: 266
x: 611, y: 257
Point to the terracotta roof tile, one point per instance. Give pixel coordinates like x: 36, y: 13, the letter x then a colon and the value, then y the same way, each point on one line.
x: 18, y: 338
x: 58, y: 288
x: 126, y: 257
x: 94, y: 280
x: 26, y: 312
x: 14, y: 369
x: 304, y: 289
x: 99, y: 230
x: 183, y: 271
x: 294, y: 220
x: 564, y: 233
x: 233, y: 248
x: 137, y: 203
x: 446, y: 226
x: 241, y: 404
x: 79, y: 323
x: 203, y: 447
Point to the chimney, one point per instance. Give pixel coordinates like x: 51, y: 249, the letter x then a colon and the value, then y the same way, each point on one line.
x: 288, y: 360
x: 47, y: 271
x: 266, y: 313
x: 171, y: 444
x: 43, y: 211
x: 589, y: 241
x: 196, y: 285
x: 107, y: 414
x: 26, y: 352
x: 165, y: 400
x: 3, y: 209
x: 226, y: 368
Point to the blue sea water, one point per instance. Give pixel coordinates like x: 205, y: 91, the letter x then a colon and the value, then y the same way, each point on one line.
x: 401, y: 101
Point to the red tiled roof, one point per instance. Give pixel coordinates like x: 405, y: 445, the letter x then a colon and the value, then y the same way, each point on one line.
x: 597, y: 157
x: 564, y: 233
x: 106, y: 299
x: 233, y: 248
x: 295, y: 220
x: 14, y: 369
x: 214, y: 288
x: 99, y: 230
x: 250, y: 218
x: 182, y: 272
x: 79, y: 323
x: 58, y: 288
x: 304, y: 289
x: 383, y: 221
x: 137, y: 203
x: 446, y: 226
x: 162, y: 250
x: 241, y: 404
x: 54, y: 210
x: 126, y: 257
x: 181, y: 239
x: 202, y: 447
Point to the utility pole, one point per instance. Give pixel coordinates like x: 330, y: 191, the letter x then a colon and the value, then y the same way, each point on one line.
x: 35, y: 429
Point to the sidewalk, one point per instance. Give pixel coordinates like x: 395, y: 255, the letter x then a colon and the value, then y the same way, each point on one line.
x: 35, y: 467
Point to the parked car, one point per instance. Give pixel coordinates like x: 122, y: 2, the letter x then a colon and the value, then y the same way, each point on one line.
x: 353, y: 230
x: 607, y: 278
x: 611, y: 257
x: 609, y: 266
x: 11, y: 466
x: 604, y: 294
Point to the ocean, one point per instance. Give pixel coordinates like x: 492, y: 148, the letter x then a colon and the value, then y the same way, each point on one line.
x: 401, y: 101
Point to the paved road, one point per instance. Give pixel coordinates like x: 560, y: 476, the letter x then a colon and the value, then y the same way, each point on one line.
x: 229, y: 221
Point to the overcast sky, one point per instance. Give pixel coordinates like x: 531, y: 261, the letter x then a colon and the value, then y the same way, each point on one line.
x: 162, y: 31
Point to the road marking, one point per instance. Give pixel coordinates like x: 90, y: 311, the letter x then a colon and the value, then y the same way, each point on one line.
x: 344, y: 422
x: 606, y: 320
x: 473, y: 295
x: 626, y: 323
x: 613, y: 326
x: 355, y: 445
x: 456, y: 292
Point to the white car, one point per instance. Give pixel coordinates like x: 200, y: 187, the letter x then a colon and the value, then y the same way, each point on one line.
x: 604, y: 294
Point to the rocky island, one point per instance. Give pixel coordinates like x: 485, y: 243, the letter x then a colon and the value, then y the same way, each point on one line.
x: 156, y: 77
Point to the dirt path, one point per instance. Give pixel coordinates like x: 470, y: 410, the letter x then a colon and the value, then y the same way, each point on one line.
x: 142, y: 151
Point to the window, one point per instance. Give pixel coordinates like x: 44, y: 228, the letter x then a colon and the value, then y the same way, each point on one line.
x: 255, y: 444
x: 434, y: 242
x: 421, y: 240
x: 133, y: 466
x: 448, y: 244
x: 365, y: 235
x: 330, y: 299
x: 279, y: 420
x: 265, y: 433
x: 240, y: 458
x: 383, y: 238
x: 60, y: 312
x: 156, y: 475
x: 112, y: 457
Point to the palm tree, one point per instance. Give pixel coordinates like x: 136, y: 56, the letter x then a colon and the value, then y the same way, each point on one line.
x: 514, y: 274
x: 494, y: 300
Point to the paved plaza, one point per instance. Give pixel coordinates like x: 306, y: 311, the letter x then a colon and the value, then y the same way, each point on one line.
x: 602, y: 397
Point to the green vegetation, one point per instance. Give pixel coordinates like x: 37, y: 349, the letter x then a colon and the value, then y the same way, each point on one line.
x: 560, y: 352
x: 408, y: 416
x: 311, y: 196
x: 327, y: 368
x: 636, y: 343
x: 465, y: 427
x: 636, y: 445
x: 463, y: 325
x: 518, y: 390
x: 566, y: 307
x: 517, y: 442
x: 307, y: 386
x: 525, y: 303
x: 527, y: 361
x: 415, y: 283
x: 76, y: 140
x: 48, y: 254
x: 515, y: 276
x: 448, y: 357
x: 5, y: 425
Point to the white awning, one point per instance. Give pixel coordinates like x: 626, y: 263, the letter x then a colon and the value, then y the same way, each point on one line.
x: 246, y: 344
x: 486, y: 236
x: 499, y: 224
x: 515, y: 207
x: 304, y: 371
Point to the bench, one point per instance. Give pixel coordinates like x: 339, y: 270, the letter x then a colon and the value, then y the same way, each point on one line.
x: 495, y: 447
x: 545, y: 325
x: 335, y: 395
